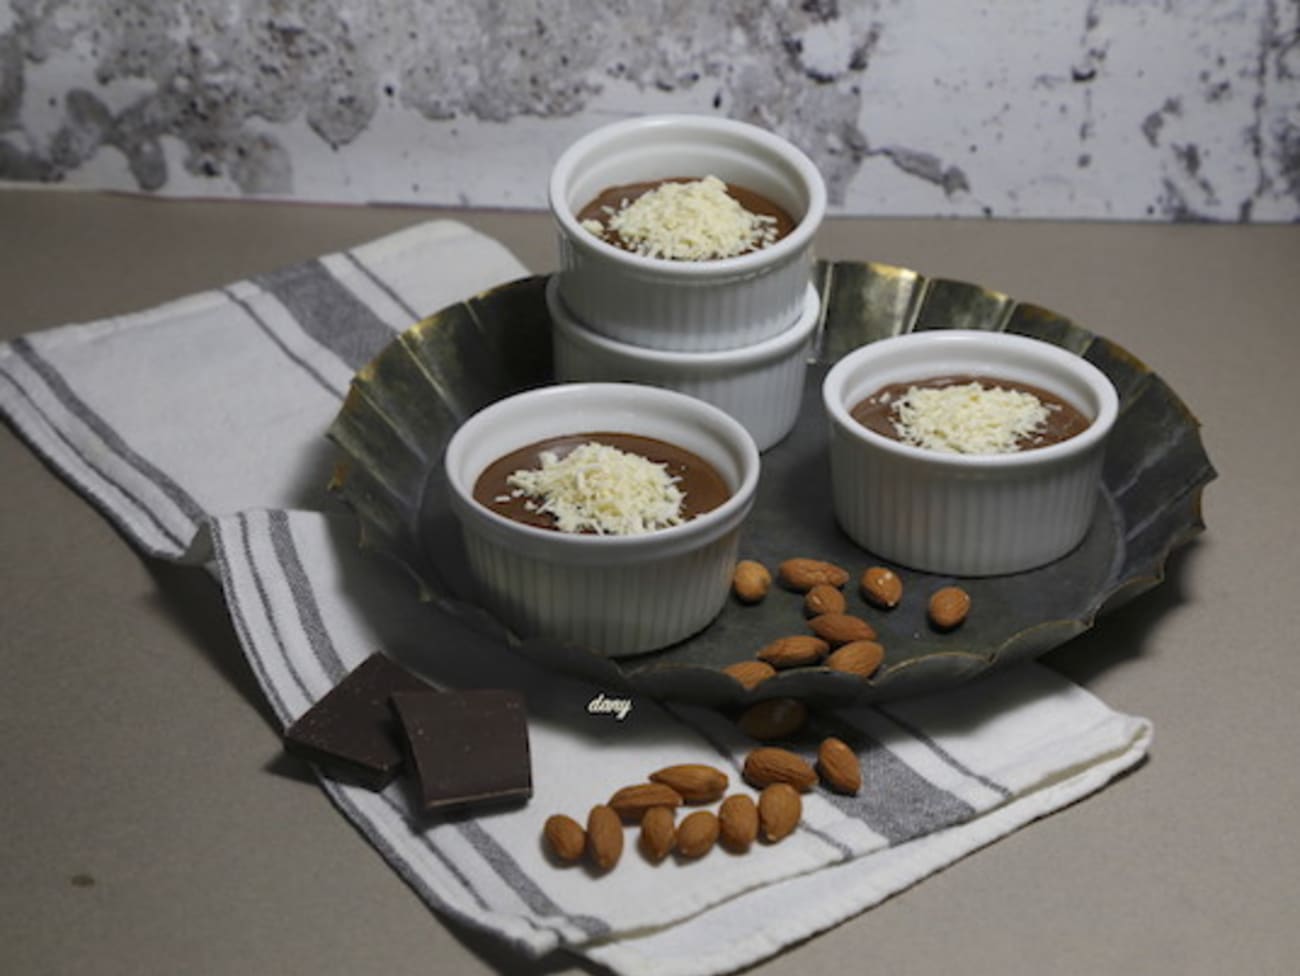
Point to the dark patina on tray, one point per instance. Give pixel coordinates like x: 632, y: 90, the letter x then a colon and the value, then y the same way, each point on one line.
x: 405, y: 404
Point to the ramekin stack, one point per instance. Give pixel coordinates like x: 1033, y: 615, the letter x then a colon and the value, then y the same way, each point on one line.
x: 735, y: 332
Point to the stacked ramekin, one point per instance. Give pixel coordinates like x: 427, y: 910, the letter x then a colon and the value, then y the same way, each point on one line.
x: 735, y: 332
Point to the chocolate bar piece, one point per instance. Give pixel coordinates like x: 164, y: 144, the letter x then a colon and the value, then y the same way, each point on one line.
x: 465, y: 747
x: 350, y: 733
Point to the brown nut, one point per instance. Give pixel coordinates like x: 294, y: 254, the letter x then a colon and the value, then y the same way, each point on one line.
x: 693, y: 782
x: 750, y: 581
x: 949, y: 607
x: 604, y: 837
x: 823, y: 598
x: 841, y: 628
x: 737, y: 823
x: 857, y: 657
x: 794, y: 651
x: 631, y: 802
x: 768, y: 764
x: 779, y: 811
x: 881, y: 587
x: 801, y: 575
x: 658, y: 833
x: 839, y: 767
x: 750, y: 673
x: 565, y: 837
x: 697, y: 834
x: 776, y: 718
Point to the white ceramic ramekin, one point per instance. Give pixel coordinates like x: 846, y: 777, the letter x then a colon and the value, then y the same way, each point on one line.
x: 760, y: 385
x: 685, y: 305
x: 618, y: 595
x: 965, y: 515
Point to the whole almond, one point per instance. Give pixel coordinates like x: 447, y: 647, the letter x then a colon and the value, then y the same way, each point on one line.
x: 658, y: 833
x: 779, y: 811
x: 793, y: 652
x: 604, y: 837
x: 750, y: 673
x: 841, y: 628
x: 857, y: 657
x: 838, y: 766
x: 697, y: 834
x: 737, y: 823
x: 693, y: 782
x: 769, y: 764
x: 565, y: 837
x: 801, y: 575
x: 776, y: 718
x: 750, y: 581
x: 949, y: 607
x: 631, y: 802
x: 881, y: 587
x: 823, y: 598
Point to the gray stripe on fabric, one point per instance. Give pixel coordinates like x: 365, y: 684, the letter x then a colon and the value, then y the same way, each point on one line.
x: 304, y: 599
x: 270, y: 333
x: 240, y: 619
x: 452, y: 867
x: 109, y: 510
x: 946, y: 756
x: 59, y: 387
x: 896, y: 801
x: 508, y: 869
x: 382, y: 285
x: 260, y: 586
x: 328, y: 312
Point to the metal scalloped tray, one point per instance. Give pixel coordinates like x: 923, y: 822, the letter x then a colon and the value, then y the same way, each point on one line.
x: 404, y: 405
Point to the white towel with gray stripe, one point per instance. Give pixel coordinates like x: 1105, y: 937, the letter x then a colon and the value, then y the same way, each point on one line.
x: 197, y: 428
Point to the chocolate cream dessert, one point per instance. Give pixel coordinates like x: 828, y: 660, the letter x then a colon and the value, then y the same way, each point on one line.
x: 601, y: 483
x: 970, y: 415
x: 686, y: 219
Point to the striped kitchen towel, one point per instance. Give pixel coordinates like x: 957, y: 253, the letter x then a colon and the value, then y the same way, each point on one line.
x: 197, y: 428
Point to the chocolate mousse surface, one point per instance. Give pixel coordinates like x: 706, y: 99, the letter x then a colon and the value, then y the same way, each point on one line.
x: 701, y: 485
x: 614, y: 198
x: 877, y: 411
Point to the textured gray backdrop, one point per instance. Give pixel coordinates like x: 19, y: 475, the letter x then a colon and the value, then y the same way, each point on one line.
x: 1122, y: 109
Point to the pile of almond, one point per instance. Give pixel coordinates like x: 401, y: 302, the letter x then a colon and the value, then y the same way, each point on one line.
x: 839, y: 640
x: 739, y: 821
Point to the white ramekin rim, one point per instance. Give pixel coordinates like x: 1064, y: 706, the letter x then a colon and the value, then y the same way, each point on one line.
x: 799, y: 239
x: 706, y: 361
x: 662, y: 542
x: 919, y: 343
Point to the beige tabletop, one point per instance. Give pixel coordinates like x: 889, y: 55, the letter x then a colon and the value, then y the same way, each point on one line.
x: 150, y: 825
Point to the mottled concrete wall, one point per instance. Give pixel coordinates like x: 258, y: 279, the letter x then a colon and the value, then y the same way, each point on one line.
x: 1092, y: 108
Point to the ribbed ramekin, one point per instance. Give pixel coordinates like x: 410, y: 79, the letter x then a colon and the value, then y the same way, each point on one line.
x: 761, y: 385
x: 688, y: 306
x: 618, y: 595
x: 956, y: 514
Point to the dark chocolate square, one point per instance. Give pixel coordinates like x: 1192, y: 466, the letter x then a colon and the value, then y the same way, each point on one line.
x: 465, y: 747
x: 351, y: 733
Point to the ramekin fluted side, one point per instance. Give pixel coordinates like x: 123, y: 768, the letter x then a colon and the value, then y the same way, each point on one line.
x: 661, y: 312
x: 760, y: 385
x: 1004, y: 523
x: 616, y: 610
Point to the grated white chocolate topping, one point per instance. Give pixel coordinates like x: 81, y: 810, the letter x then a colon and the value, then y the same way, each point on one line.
x: 601, y: 489
x: 968, y: 418
x: 692, y: 221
